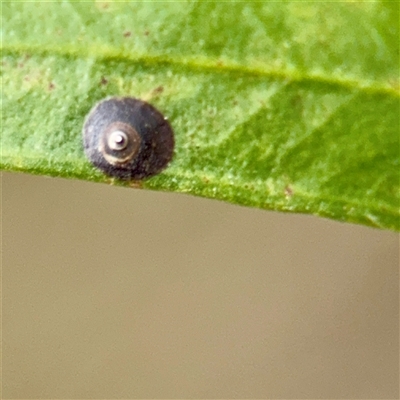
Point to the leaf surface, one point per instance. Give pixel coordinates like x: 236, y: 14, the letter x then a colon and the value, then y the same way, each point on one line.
x: 285, y: 106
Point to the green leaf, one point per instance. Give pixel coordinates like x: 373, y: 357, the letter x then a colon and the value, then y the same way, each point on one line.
x: 285, y: 105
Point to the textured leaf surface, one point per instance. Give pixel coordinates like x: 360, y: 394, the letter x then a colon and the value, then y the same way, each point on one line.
x: 287, y: 106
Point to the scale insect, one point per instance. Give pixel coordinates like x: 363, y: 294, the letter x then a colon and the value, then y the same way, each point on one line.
x: 127, y: 138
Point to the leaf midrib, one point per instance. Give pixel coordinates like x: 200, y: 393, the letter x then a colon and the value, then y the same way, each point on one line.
x: 203, y: 65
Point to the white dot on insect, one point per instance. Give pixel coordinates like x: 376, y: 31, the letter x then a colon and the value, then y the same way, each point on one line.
x: 117, y: 140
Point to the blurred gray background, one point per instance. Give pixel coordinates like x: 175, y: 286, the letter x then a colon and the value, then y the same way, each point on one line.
x: 111, y: 292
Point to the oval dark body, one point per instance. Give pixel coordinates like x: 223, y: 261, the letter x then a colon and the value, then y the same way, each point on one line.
x: 127, y: 138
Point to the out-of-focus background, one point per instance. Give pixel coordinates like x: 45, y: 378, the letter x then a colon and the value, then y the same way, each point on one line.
x: 111, y: 292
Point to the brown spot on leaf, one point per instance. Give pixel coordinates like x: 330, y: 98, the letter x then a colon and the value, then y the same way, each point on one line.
x: 52, y: 86
x: 158, y: 90
x: 103, y: 81
x: 288, y: 191
x: 146, y: 33
x: 135, y: 184
x: 297, y: 102
x: 127, y: 33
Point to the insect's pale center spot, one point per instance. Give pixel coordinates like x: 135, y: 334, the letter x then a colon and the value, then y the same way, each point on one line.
x: 117, y: 140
